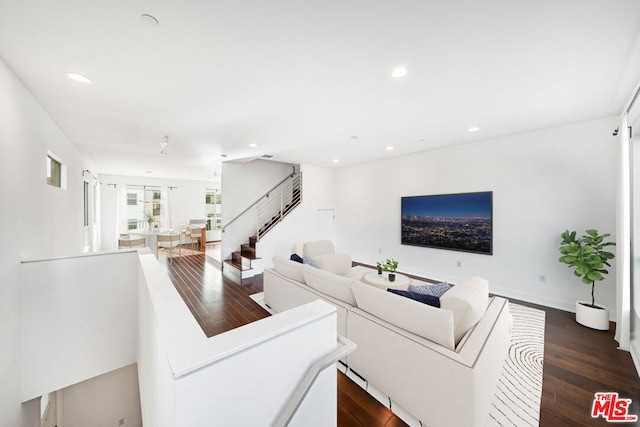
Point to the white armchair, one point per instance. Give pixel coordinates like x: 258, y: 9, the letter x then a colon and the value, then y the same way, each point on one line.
x: 323, y: 253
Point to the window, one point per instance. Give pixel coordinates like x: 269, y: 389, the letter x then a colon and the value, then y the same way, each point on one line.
x: 54, y: 172
x: 213, y: 206
x: 143, y: 207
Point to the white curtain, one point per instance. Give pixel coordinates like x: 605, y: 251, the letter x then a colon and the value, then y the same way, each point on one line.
x: 623, y: 244
x: 121, y: 209
x: 165, y: 212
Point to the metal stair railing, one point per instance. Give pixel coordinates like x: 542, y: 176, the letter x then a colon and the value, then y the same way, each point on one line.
x: 277, y: 203
x: 294, y: 402
x: 274, y: 204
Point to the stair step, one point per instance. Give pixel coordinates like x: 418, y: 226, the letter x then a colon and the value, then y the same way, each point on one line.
x: 236, y: 264
x: 246, y: 251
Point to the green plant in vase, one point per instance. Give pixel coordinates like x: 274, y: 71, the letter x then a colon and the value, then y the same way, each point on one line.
x: 588, y: 257
x: 150, y: 219
x: 389, y: 265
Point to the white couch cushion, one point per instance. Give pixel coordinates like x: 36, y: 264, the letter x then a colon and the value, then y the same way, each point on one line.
x: 322, y: 253
x: 297, y: 249
x: 331, y: 284
x: 428, y: 322
x: 468, y: 301
x: 334, y: 263
x: 291, y: 269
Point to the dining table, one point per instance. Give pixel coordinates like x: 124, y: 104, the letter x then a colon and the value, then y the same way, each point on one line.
x: 150, y: 238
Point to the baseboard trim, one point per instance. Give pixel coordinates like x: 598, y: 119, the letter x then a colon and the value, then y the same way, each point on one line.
x: 634, y: 349
x: 569, y: 306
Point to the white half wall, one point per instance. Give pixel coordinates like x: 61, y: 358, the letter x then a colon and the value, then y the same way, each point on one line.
x: 78, y: 319
x: 242, y: 377
x: 540, y: 186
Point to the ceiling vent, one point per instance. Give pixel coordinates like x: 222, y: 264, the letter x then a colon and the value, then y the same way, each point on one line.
x: 268, y: 156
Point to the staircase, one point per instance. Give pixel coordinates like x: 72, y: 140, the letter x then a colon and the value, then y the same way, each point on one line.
x: 269, y: 210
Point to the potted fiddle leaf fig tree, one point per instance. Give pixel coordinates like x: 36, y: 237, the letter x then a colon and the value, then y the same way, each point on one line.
x: 588, y: 257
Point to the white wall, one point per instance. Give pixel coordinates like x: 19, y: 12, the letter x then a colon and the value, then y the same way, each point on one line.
x: 36, y: 219
x: 187, y: 201
x: 78, y: 319
x: 540, y: 188
x: 102, y: 400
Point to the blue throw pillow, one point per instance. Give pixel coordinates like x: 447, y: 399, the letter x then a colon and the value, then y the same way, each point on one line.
x: 310, y: 261
x: 437, y: 289
x: 425, y: 299
x: 296, y: 258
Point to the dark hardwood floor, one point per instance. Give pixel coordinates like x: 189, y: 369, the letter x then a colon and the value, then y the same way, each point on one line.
x: 578, y: 362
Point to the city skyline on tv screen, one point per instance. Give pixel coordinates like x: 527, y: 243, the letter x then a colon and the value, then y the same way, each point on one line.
x: 462, y: 222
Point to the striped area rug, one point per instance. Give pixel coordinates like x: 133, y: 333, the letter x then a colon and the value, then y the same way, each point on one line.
x: 517, y: 399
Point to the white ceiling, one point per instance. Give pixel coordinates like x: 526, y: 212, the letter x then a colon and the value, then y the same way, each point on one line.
x: 309, y: 81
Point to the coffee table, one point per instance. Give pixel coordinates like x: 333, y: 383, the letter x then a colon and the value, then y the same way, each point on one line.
x: 382, y: 280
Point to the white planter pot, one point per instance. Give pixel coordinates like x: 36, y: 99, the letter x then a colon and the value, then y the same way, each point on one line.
x: 595, y: 318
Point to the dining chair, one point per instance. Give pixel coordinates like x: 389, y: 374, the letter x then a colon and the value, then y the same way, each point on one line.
x: 131, y: 242
x: 184, y: 229
x: 169, y: 242
x: 195, y: 233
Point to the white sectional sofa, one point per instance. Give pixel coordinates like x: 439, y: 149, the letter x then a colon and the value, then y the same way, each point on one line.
x: 440, y: 364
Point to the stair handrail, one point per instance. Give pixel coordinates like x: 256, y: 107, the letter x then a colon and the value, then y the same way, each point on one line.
x: 309, y: 379
x: 264, y: 196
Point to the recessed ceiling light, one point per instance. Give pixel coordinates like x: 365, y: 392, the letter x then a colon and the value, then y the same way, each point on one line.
x: 253, y: 145
x: 399, y: 73
x: 336, y: 160
x: 149, y: 19
x: 148, y: 172
x: 354, y: 137
x: 389, y: 148
x: 473, y: 129
x: 79, y: 78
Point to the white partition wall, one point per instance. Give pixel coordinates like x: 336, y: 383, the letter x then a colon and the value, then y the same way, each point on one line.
x: 78, y: 319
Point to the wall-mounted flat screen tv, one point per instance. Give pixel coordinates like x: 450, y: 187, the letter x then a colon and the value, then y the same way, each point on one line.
x: 459, y: 222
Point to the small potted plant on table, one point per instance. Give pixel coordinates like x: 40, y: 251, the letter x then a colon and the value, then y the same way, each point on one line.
x: 589, y: 257
x: 150, y: 219
x: 389, y: 265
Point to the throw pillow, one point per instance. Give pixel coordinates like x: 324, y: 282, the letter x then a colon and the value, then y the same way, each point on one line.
x: 296, y: 258
x: 436, y: 289
x: 425, y: 299
x: 310, y: 261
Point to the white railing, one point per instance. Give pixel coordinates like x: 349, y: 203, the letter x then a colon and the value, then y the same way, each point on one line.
x: 290, y: 409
